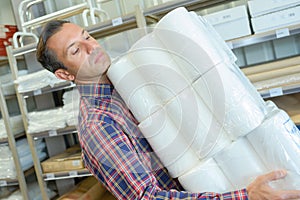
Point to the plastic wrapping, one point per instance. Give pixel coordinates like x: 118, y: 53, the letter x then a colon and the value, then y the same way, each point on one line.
x: 203, y: 123
x: 7, y: 167
x: 61, y: 117
x: 37, y: 80
x: 7, y: 83
x: 206, y: 177
x: 33, y: 193
x: 39, y: 121
x: 232, y: 98
x: 16, y: 125
x: 277, y: 142
x: 71, y: 106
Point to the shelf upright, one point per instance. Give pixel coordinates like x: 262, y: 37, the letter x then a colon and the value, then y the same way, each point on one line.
x: 12, y: 54
x: 12, y: 146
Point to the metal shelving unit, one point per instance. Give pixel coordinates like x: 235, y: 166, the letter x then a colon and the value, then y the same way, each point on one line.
x: 66, y: 175
x: 54, y: 136
x: 128, y: 21
x: 263, y: 37
x: 12, y: 144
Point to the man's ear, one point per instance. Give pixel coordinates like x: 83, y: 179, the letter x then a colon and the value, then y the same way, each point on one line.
x: 64, y: 75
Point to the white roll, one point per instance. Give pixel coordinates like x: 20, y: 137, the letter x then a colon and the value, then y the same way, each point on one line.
x: 206, y: 177
x: 277, y: 142
x: 137, y: 94
x: 197, y: 124
x: 240, y: 163
x: 168, y: 143
x: 150, y: 51
x: 237, y: 109
x: 181, y: 34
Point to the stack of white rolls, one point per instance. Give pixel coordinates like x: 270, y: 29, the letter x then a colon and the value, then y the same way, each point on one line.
x: 193, y: 104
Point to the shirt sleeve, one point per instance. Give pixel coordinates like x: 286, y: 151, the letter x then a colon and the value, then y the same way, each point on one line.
x: 109, y: 155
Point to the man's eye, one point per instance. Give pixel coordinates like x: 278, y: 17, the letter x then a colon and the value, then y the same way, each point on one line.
x: 88, y: 37
x: 76, y: 51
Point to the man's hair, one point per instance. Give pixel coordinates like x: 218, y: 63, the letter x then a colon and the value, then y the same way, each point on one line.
x: 44, y: 55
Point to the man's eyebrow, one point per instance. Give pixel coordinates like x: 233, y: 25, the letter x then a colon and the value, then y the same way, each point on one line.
x: 72, y: 44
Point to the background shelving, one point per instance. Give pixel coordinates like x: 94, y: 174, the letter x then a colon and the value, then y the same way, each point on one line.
x: 126, y: 18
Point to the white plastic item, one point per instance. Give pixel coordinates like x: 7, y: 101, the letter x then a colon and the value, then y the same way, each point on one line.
x: 39, y: 121
x: 196, y: 124
x: 206, y: 177
x: 37, y: 80
x: 276, y: 20
x: 149, y: 51
x: 132, y: 87
x: 226, y: 22
x: 168, y: 143
x: 258, y: 7
x: 240, y: 163
x: 236, y: 104
x: 181, y: 34
x: 277, y: 142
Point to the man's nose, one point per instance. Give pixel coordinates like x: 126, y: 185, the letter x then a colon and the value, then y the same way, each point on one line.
x: 88, y: 46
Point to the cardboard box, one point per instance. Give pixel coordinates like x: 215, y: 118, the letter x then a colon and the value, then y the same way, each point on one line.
x: 230, y: 23
x: 259, y: 7
x: 276, y: 20
x: 67, y: 161
x: 88, y: 189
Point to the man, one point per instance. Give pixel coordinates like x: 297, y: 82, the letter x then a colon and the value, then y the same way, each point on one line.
x: 114, y: 150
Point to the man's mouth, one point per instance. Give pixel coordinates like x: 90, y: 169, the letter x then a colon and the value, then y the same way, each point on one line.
x: 98, y: 57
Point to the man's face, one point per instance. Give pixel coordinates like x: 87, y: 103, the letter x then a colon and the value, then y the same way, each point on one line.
x: 84, y: 58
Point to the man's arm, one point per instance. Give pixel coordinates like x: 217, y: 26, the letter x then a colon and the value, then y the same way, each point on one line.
x: 110, y: 157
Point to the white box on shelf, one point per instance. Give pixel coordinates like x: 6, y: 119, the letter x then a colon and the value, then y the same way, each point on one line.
x: 276, y: 20
x: 230, y: 23
x: 259, y: 7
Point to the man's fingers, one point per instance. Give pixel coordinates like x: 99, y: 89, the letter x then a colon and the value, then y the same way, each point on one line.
x: 274, y: 175
x: 289, y: 194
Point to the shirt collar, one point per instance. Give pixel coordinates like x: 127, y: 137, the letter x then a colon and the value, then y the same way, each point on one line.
x: 96, y: 90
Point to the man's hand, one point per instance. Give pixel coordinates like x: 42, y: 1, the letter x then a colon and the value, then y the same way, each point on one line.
x: 260, y: 189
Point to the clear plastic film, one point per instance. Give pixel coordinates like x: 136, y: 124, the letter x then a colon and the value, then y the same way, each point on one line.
x: 7, y: 167
x: 71, y: 101
x: 39, y: 121
x: 16, y: 125
x: 277, y: 142
x: 36, y: 80
x: 196, y: 117
x: 232, y: 99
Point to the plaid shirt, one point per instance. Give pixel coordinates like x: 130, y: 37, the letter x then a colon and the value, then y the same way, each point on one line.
x: 115, y: 152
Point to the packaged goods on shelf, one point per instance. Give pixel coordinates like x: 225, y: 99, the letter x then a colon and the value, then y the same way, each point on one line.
x: 7, y: 161
x: 33, y: 193
x: 16, y: 125
x: 7, y: 83
x: 39, y: 121
x: 67, y: 161
x: 226, y: 22
x: 258, y: 7
x: 37, y: 80
x: 71, y: 106
x: 90, y: 188
x: 276, y: 20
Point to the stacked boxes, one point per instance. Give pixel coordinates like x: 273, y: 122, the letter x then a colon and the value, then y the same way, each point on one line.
x: 230, y: 23
x: 67, y: 161
x: 273, y: 14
